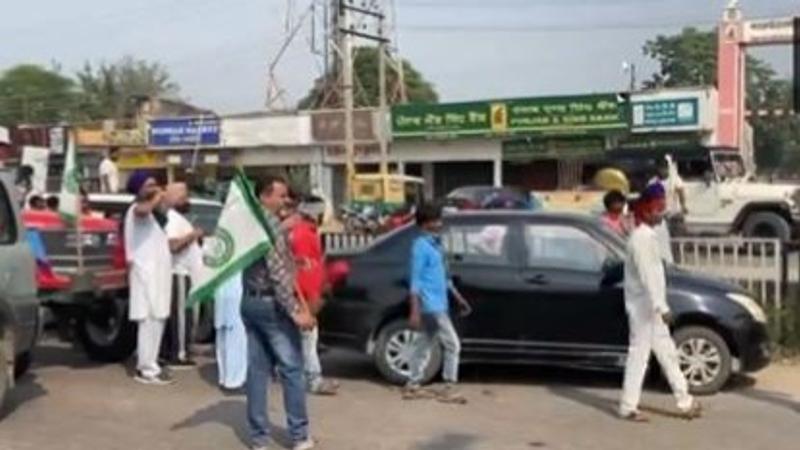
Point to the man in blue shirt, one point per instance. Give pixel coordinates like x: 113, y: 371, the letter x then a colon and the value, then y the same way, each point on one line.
x: 429, y: 308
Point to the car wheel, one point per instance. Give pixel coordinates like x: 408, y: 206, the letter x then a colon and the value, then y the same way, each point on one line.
x: 105, y: 331
x: 704, y: 359
x: 393, y: 352
x: 22, y: 364
x: 767, y: 225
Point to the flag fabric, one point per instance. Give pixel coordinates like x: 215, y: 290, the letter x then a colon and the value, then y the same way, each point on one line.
x: 70, y: 198
x: 242, y: 236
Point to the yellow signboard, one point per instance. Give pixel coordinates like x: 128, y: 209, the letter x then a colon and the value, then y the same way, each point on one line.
x: 140, y: 160
x: 499, y: 112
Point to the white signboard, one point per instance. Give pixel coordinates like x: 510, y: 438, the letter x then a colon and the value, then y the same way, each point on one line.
x: 37, y: 158
x: 770, y: 31
x: 267, y: 131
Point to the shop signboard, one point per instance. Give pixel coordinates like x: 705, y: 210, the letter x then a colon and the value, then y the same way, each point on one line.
x: 184, y: 132
x: 536, y: 148
x: 139, y: 160
x: 665, y: 113
x: 328, y: 126
x: 524, y: 116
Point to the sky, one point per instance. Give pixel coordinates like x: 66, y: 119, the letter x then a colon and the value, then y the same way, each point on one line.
x: 218, y: 51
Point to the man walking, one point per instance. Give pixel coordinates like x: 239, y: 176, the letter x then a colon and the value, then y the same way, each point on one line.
x: 309, y: 260
x: 429, y: 308
x: 186, y: 255
x: 150, y: 278
x: 649, y: 316
x: 274, y: 319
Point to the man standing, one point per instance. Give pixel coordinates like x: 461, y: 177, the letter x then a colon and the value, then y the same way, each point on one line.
x: 150, y: 280
x: 429, y: 308
x: 309, y: 260
x: 274, y: 319
x: 109, y: 173
x: 674, y: 191
x: 183, y: 243
x: 649, y: 316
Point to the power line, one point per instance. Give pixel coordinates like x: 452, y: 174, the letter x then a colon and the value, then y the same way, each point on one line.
x: 479, y: 28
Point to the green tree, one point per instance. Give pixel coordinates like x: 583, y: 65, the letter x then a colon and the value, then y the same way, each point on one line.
x: 34, y: 94
x: 366, y: 92
x: 110, y: 89
x: 690, y: 59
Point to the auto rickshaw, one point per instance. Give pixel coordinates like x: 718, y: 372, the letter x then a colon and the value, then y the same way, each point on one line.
x: 386, y: 193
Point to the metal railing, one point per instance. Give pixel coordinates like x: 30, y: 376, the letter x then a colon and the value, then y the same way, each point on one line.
x: 758, y: 265
x: 334, y: 242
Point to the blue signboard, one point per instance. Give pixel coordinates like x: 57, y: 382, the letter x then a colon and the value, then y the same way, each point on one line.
x: 184, y: 132
x: 666, y: 113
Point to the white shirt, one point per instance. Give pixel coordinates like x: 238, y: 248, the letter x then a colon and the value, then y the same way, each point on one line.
x: 149, y: 263
x: 185, y: 261
x: 664, y: 242
x: 645, y: 278
x: 108, y: 170
x: 671, y: 187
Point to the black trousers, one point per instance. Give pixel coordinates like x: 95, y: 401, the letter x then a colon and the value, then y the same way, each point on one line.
x: 171, y: 345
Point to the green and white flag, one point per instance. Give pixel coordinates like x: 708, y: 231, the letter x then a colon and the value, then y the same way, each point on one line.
x: 69, y: 204
x: 240, y: 239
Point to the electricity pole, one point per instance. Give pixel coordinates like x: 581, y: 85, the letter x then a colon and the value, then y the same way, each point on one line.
x: 347, y: 31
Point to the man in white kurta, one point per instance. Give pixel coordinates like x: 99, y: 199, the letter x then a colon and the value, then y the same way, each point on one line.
x: 648, y: 317
x: 149, y: 274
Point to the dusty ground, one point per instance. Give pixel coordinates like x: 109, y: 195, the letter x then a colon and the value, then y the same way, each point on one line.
x: 68, y: 403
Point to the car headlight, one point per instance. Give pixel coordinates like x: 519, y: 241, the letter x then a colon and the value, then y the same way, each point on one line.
x: 750, y: 305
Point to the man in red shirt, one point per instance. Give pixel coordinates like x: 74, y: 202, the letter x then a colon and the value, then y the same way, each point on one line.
x: 306, y: 247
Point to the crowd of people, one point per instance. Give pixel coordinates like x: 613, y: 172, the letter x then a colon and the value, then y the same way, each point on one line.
x: 265, y: 316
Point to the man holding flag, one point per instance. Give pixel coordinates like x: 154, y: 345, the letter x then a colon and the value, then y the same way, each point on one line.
x: 249, y: 239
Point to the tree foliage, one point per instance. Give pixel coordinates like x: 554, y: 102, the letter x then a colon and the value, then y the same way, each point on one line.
x: 34, y: 94
x: 110, y: 89
x: 690, y: 59
x: 367, y: 87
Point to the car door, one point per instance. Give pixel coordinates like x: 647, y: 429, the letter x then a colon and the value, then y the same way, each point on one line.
x: 17, y: 271
x: 484, y: 266
x: 569, y: 309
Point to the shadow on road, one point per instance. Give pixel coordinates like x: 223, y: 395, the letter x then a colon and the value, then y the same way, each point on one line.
x: 449, y: 441
x: 27, y: 389
x: 773, y: 398
x: 592, y: 400
x: 50, y: 352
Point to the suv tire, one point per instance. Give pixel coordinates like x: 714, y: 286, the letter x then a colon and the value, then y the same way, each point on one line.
x: 705, y: 359
x: 767, y: 225
x: 105, y: 331
x: 393, y: 351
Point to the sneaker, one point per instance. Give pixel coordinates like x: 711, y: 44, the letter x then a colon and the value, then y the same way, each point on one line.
x: 306, y: 444
x: 324, y: 388
x: 449, y: 394
x: 166, y: 377
x: 184, y: 364
x: 158, y: 380
x: 413, y: 391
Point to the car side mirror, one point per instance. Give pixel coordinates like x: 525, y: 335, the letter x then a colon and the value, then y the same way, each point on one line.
x: 613, y: 272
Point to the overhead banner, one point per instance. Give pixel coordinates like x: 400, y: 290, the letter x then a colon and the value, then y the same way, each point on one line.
x: 541, y: 115
x: 184, y: 132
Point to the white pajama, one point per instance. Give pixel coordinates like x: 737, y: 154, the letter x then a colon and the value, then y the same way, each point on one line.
x: 148, y: 345
x: 645, y: 304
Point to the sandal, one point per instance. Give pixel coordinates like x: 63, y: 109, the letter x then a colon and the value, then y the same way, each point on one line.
x: 635, y: 416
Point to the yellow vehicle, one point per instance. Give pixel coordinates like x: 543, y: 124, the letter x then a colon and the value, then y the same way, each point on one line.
x: 386, y: 192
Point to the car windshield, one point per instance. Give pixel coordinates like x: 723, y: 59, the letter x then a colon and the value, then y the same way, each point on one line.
x: 728, y: 165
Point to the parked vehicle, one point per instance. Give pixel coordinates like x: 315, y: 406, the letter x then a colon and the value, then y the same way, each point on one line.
x: 489, y: 197
x: 87, y: 290
x: 546, y: 288
x: 722, y: 198
x: 386, y: 193
x: 19, y: 306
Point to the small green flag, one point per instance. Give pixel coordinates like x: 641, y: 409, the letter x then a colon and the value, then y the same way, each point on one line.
x: 69, y: 205
x: 241, y: 238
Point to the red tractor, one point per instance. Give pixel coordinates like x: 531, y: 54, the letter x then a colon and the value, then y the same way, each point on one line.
x: 82, y: 281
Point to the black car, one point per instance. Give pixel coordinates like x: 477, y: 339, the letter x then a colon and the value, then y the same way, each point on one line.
x: 489, y: 197
x: 545, y: 289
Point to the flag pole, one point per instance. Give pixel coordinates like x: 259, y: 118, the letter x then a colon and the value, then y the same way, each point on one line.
x: 78, y: 200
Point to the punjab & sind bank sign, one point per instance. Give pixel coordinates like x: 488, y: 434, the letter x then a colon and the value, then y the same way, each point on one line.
x: 541, y: 115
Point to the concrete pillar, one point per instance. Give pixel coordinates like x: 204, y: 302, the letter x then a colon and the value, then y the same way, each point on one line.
x: 401, y: 167
x: 428, y: 176
x: 497, y: 165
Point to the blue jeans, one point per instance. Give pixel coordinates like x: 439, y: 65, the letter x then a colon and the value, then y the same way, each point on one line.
x: 273, y: 340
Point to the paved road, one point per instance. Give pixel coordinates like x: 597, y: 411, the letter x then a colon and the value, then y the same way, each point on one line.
x: 69, y: 403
